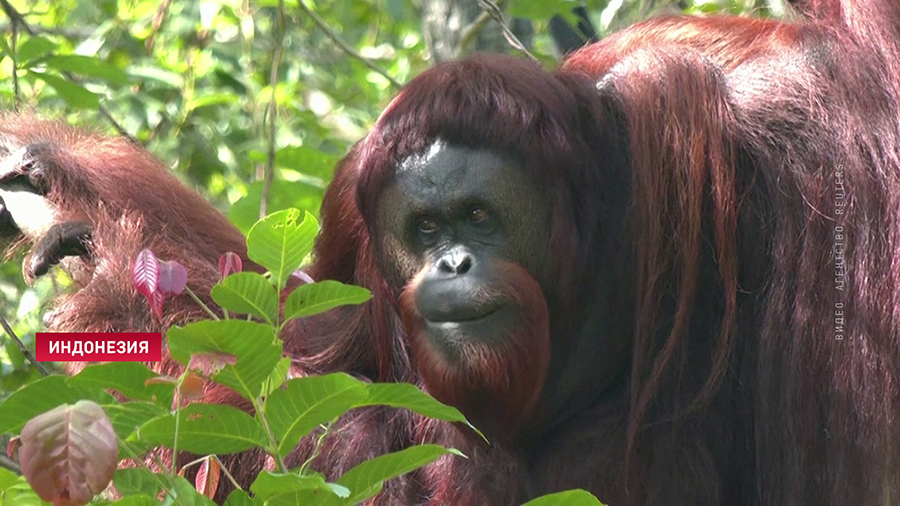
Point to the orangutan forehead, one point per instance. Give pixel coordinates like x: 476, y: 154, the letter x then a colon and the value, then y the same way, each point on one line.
x: 449, y: 170
x: 422, y: 157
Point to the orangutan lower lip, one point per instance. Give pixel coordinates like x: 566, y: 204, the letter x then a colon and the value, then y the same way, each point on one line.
x: 468, y: 318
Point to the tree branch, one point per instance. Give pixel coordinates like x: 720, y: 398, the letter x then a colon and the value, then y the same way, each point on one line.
x: 470, y: 32
x: 494, y: 11
x: 9, y: 464
x: 341, y: 43
x: 19, y: 344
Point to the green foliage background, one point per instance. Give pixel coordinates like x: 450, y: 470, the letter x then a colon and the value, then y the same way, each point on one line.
x: 212, y: 86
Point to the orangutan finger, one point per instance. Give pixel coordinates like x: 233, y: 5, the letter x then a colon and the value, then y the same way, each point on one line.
x: 61, y: 240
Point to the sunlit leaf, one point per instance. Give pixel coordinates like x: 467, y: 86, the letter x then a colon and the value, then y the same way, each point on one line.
x: 314, y: 298
x: 279, y: 242
x: 247, y: 293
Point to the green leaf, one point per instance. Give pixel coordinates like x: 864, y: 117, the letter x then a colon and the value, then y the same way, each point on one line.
x: 4, y: 47
x: 211, y: 100
x: 137, y: 481
x: 279, y: 242
x: 238, y: 498
x: 247, y: 293
x: 109, y: 7
x: 7, y: 479
x: 137, y: 500
x: 88, y: 66
x: 74, y: 94
x: 126, y: 418
x: 306, y: 160
x: 405, y: 395
x: 269, y: 485
x: 184, y: 494
x: 305, y: 497
x: 569, y: 498
x: 282, y: 195
x: 42, y: 396
x: 367, y: 478
x: 155, y: 74
x: 21, y: 494
x: 34, y: 48
x: 279, y: 374
x: 305, y: 403
x: 253, y: 344
x: 315, y: 298
x: 541, y: 10
x: 206, y: 429
x: 128, y: 378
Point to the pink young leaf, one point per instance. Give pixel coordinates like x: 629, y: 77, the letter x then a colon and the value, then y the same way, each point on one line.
x: 156, y: 302
x: 211, y: 362
x: 172, y: 277
x: 207, y: 480
x: 69, y: 454
x: 228, y: 263
x: 145, y: 274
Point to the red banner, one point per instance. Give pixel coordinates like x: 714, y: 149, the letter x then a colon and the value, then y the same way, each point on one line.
x: 98, y: 347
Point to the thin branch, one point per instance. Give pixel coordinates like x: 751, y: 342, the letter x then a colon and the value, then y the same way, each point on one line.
x: 343, y: 45
x: 8, y: 463
x: 470, y: 32
x: 273, y: 114
x: 12, y: 335
x: 158, y: 19
x: 495, y: 12
x: 15, y: 16
x: 112, y: 121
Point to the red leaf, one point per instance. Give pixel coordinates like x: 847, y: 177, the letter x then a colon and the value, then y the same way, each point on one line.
x: 172, y: 277
x: 145, y: 274
x: 228, y: 263
x: 69, y: 454
x: 207, y: 479
x: 156, y: 303
x: 192, y: 387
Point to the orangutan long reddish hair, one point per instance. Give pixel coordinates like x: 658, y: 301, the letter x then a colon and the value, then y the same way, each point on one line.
x: 720, y: 283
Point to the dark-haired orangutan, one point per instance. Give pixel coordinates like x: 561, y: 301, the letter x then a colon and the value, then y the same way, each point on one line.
x: 667, y: 272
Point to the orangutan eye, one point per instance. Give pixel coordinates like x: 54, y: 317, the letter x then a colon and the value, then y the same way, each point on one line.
x: 427, y: 226
x: 478, y: 214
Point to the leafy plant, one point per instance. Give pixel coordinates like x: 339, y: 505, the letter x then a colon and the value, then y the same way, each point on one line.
x: 238, y: 348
